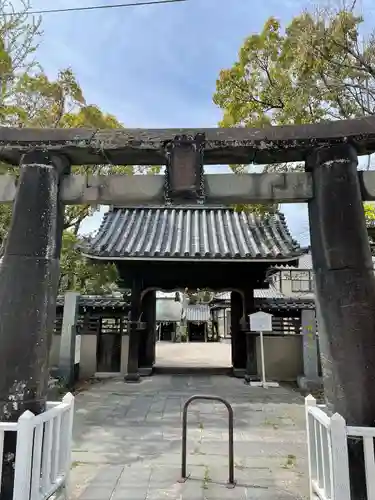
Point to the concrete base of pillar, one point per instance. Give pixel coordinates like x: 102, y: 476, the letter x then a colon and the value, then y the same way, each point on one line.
x: 306, y: 384
x: 251, y: 378
x: 124, y: 354
x: 132, y: 377
x: 239, y: 372
x: 145, y: 371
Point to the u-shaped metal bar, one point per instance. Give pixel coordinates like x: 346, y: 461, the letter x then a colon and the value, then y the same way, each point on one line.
x: 184, y: 476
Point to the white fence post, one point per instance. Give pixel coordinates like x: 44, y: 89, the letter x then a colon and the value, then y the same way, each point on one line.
x: 340, y: 458
x: 24, y: 452
x: 69, y: 400
x: 310, y: 401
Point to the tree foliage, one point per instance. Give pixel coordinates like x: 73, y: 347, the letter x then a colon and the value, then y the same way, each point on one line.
x: 318, y: 68
x: 369, y: 211
x: 82, y: 274
x: 199, y: 296
x: 29, y: 98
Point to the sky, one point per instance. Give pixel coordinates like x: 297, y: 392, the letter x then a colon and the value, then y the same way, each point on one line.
x: 156, y: 66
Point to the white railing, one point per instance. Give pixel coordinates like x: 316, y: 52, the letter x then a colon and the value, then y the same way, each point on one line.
x: 327, y: 440
x: 43, y: 453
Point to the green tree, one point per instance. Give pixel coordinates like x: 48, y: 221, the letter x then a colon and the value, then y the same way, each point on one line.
x: 81, y: 274
x: 60, y: 103
x: 30, y: 99
x: 199, y: 296
x: 45, y: 103
x: 317, y: 68
x: 19, y: 37
x: 41, y: 102
x: 369, y: 211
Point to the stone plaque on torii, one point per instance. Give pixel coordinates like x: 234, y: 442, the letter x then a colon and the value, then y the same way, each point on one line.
x: 331, y: 184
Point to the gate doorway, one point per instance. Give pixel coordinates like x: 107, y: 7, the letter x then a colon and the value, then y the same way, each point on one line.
x: 197, y: 332
x: 214, y: 358
x: 185, y: 334
x: 167, y: 330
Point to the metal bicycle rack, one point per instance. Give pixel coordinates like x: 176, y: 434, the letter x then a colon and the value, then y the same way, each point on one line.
x: 184, y: 475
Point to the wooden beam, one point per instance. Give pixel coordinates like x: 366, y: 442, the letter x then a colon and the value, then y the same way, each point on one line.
x: 292, y: 143
x: 225, y: 189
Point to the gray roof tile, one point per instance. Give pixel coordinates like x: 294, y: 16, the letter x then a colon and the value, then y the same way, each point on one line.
x: 97, y: 301
x: 261, y: 293
x: 192, y: 233
x: 285, y: 304
x: 198, y: 312
x: 274, y: 303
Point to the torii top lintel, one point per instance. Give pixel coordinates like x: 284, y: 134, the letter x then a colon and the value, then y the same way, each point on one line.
x: 221, y: 146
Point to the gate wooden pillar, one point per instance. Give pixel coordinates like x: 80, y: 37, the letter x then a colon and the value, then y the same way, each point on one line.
x: 148, y: 335
x: 345, y: 293
x: 238, y: 339
x: 29, y: 279
x: 151, y: 344
x: 134, y: 333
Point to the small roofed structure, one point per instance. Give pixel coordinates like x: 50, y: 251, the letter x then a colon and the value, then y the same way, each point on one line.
x: 198, y: 319
x: 196, y: 246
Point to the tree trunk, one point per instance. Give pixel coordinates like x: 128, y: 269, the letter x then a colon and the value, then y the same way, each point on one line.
x: 345, y: 294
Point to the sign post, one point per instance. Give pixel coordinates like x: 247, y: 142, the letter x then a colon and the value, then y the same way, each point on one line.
x: 261, y: 322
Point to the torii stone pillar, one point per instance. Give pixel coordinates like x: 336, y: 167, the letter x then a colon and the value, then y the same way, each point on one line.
x: 345, y: 292
x: 29, y: 278
x: 344, y: 283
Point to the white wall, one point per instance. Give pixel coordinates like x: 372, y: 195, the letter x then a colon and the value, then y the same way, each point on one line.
x: 168, y: 310
x: 284, y: 285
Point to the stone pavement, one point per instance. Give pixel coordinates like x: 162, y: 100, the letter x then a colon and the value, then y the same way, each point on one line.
x: 194, y: 354
x: 127, y: 441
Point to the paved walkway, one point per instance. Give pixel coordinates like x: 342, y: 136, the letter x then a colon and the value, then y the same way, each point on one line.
x: 127, y: 441
x: 194, y: 354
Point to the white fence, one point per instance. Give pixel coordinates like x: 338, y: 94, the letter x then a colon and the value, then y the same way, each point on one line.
x: 43, y: 454
x: 327, y: 439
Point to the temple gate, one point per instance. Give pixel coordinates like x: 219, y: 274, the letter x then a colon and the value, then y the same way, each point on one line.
x: 177, y: 246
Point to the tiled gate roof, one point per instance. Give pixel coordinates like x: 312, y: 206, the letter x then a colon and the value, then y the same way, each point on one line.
x: 192, y: 233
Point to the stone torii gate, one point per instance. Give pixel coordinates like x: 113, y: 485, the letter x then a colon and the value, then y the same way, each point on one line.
x: 334, y: 190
